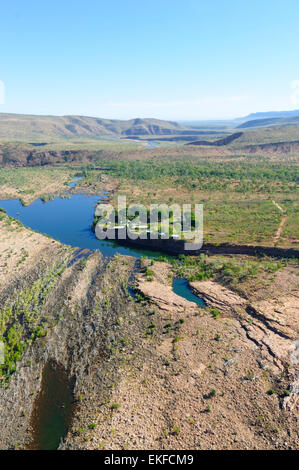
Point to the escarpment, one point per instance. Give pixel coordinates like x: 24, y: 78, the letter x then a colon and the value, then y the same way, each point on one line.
x: 66, y: 311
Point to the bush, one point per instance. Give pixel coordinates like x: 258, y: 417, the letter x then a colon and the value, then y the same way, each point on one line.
x: 115, y: 406
x: 215, y: 313
x: 176, y: 429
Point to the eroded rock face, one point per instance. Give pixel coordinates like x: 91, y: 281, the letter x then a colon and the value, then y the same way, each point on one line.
x: 200, y: 370
x: 271, y: 326
x: 163, y: 296
x: 273, y: 323
x: 218, y: 296
x: 280, y: 314
x: 84, y: 308
x: 275, y: 327
x: 291, y: 402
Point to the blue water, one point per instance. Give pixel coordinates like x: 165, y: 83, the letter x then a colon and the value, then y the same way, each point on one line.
x: 69, y: 221
x: 151, y: 145
x: 75, y: 180
x: 181, y: 287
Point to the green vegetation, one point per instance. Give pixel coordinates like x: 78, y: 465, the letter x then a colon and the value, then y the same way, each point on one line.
x: 176, y: 430
x: 235, y: 189
x: 227, y: 270
x: 28, y: 184
x: 237, y: 176
x: 237, y: 194
x: 215, y: 313
x: 115, y: 406
x: 149, y: 274
x: 22, y: 321
x: 92, y: 426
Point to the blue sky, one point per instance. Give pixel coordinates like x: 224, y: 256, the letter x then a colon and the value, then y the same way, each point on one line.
x: 170, y: 59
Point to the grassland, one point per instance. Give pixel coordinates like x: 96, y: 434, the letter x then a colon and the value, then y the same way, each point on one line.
x: 268, y: 135
x: 28, y: 184
x: 100, y: 144
x: 237, y: 195
x: 95, y: 144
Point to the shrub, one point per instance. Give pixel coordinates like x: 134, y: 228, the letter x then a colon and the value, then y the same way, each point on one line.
x: 176, y: 429
x: 215, y: 313
x: 115, y: 406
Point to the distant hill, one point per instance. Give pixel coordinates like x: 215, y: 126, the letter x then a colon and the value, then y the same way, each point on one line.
x: 31, y: 127
x: 268, y: 122
x: 270, y: 114
x: 218, y: 143
x: 255, y: 136
x: 42, y: 130
x: 275, y: 140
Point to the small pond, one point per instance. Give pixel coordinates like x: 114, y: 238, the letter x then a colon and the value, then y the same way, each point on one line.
x: 53, y: 408
x: 181, y: 287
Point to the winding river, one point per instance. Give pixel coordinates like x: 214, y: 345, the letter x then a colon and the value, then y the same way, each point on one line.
x: 68, y: 220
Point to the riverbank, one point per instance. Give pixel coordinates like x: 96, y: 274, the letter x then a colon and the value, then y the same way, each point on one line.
x: 176, y: 247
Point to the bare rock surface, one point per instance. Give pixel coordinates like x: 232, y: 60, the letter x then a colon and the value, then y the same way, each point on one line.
x: 163, y: 296
x: 270, y: 326
x: 218, y: 296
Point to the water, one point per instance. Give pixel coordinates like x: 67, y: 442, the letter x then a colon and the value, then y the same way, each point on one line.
x: 53, y: 409
x: 181, y: 287
x: 75, y: 180
x: 69, y: 221
x: 131, y: 292
x: 151, y: 145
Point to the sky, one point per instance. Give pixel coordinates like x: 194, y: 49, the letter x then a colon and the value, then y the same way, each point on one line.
x: 169, y: 59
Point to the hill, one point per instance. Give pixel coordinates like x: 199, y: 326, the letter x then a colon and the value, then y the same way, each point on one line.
x: 220, y: 142
x: 31, y: 127
x: 270, y: 114
x: 41, y: 128
x: 268, y: 135
x: 269, y: 122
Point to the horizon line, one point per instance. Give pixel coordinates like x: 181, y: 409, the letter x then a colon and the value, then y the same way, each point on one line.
x: 216, y: 119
